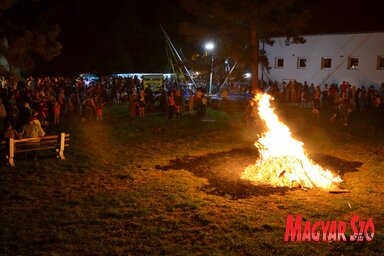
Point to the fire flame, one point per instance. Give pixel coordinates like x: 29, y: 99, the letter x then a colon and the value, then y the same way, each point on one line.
x: 283, y: 161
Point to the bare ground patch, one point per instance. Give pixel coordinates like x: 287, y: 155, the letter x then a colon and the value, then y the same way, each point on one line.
x: 223, y: 171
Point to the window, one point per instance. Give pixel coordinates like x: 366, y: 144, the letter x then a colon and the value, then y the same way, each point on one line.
x: 353, y: 63
x: 279, y: 63
x: 326, y: 62
x: 301, y: 63
x: 380, y: 62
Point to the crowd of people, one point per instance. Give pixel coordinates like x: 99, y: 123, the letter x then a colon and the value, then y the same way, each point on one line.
x: 172, y: 99
x: 28, y: 107
x: 339, y: 100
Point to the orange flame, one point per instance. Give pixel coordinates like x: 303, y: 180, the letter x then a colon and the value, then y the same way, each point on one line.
x: 283, y: 161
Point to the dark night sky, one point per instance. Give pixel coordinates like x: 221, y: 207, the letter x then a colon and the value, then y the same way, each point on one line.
x: 95, y: 33
x: 335, y: 16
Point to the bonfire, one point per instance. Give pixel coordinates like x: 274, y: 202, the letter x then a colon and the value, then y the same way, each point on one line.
x: 283, y: 161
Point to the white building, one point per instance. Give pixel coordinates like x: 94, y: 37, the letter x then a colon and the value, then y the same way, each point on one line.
x: 357, y: 58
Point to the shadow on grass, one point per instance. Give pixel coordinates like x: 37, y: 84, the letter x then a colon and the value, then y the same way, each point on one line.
x: 240, y: 189
x: 223, y: 171
x: 336, y: 164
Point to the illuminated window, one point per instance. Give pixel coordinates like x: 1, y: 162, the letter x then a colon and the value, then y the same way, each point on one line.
x: 326, y: 62
x: 279, y: 63
x: 301, y: 63
x: 380, y: 62
x: 353, y: 63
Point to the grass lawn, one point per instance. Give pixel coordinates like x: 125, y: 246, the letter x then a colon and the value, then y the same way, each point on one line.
x: 156, y: 186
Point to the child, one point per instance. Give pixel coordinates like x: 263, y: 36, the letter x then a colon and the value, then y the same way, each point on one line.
x: 132, y: 103
x: 333, y: 118
x: 178, y: 103
x: 99, y: 114
x: 141, y: 103
x: 315, y: 112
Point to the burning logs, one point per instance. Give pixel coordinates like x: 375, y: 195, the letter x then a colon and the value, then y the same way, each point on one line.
x: 283, y: 161
x: 286, y: 171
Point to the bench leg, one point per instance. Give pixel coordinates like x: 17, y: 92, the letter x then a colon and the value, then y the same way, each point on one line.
x: 61, y: 155
x: 11, y: 151
x: 62, y: 146
x: 11, y: 162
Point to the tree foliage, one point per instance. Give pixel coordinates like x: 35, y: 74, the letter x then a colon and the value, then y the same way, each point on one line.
x: 238, y: 26
x: 26, y: 40
x: 6, y: 4
x: 98, y: 36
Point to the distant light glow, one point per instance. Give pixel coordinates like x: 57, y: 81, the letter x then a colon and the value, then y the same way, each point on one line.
x: 88, y: 78
x: 209, y: 46
x: 141, y: 75
x: 247, y: 75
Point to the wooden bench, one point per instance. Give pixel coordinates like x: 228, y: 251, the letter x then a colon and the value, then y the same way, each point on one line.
x: 57, y: 142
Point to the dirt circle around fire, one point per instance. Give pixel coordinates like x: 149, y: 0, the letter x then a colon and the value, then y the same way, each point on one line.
x: 223, y: 171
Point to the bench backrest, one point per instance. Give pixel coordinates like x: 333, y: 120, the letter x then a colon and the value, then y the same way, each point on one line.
x: 40, y: 143
x: 58, y: 142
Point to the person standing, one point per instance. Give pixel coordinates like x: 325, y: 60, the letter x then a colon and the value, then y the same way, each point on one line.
x: 56, y: 113
x: 190, y: 102
x: 132, y: 103
x: 171, y: 104
x: 345, y: 107
x: 204, y: 102
x: 178, y: 104
x: 316, y: 97
x: 199, y: 102
x: 88, y: 107
x: 141, y: 103
x: 99, y: 110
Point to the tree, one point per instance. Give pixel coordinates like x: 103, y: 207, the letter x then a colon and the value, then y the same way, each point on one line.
x: 239, y: 25
x: 98, y: 36
x: 24, y: 41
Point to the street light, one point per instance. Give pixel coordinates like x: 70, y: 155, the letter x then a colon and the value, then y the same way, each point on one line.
x: 209, y: 47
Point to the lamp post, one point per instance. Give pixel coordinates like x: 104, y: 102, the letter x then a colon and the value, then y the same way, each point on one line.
x: 209, y: 47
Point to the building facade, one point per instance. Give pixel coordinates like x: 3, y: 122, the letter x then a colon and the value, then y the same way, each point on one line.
x: 357, y: 58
